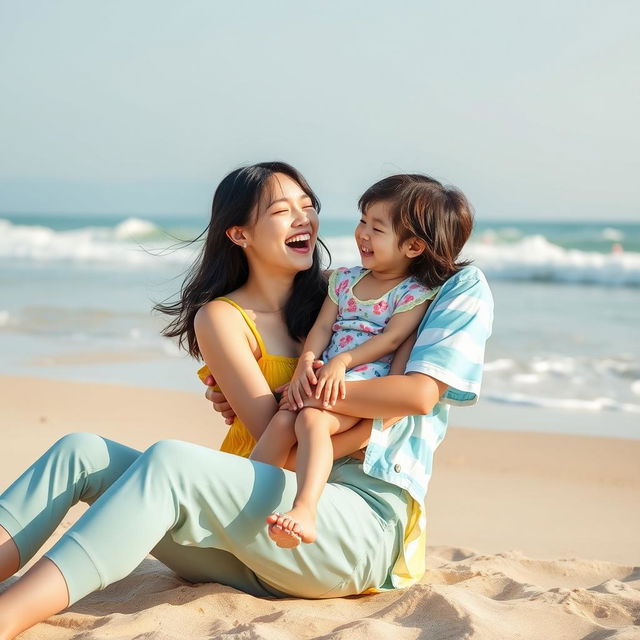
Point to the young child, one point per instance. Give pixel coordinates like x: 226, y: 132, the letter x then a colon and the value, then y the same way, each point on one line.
x: 404, y: 236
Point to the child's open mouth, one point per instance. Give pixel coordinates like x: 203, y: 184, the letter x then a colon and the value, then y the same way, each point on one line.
x: 300, y: 243
x: 365, y: 252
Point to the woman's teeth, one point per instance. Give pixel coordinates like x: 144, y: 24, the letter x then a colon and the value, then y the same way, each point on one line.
x: 300, y: 241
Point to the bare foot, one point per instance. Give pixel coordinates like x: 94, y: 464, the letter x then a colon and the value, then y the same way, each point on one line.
x: 289, y: 529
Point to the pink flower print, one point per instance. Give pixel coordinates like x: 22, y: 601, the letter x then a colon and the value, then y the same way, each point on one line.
x: 363, y: 327
x: 380, y: 307
x: 342, y: 287
x: 361, y: 367
x: 415, y: 285
x: 407, y: 299
x: 344, y: 341
x: 351, y: 305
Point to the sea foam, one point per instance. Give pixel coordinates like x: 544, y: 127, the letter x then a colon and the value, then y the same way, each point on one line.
x: 140, y: 242
x: 535, y: 258
x: 130, y: 243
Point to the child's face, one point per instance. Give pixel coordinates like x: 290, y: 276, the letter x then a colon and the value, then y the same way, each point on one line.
x: 378, y: 242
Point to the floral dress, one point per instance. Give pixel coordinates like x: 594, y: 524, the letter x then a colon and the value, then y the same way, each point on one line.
x: 359, y: 320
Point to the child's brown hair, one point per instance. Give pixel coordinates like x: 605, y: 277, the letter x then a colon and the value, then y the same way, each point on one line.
x: 423, y: 208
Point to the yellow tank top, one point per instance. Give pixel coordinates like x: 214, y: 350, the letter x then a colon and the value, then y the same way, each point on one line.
x: 277, y: 370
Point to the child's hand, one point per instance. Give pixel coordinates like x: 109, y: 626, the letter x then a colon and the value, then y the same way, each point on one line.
x: 284, y: 390
x: 301, y: 382
x: 331, y: 381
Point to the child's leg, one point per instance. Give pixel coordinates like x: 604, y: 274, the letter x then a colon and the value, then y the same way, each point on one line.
x: 313, y: 429
x: 275, y: 443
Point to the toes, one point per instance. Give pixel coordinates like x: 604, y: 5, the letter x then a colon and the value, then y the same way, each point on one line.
x: 283, y: 538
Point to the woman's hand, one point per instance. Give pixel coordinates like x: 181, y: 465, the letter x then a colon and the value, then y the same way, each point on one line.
x: 220, y: 403
x: 283, y: 403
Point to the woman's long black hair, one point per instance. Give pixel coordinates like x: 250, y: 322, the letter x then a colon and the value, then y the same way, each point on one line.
x: 222, y: 266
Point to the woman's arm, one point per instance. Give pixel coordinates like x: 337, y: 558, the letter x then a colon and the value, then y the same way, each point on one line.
x: 351, y: 442
x: 393, y: 395
x: 225, y: 348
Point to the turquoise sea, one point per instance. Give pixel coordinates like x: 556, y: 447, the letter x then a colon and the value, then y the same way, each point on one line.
x: 76, y: 294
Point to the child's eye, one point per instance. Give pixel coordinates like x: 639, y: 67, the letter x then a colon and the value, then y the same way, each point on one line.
x: 362, y: 222
x: 380, y: 230
x: 280, y: 211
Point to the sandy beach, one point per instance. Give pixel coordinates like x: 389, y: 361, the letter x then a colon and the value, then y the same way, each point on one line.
x: 531, y: 535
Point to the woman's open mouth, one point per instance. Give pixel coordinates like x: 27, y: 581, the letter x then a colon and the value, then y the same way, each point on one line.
x: 300, y: 243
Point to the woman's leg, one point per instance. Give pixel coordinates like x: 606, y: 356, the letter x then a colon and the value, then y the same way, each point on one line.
x: 206, y: 498
x: 277, y: 440
x: 9, y: 555
x: 78, y: 467
x: 206, y: 564
x: 314, y: 428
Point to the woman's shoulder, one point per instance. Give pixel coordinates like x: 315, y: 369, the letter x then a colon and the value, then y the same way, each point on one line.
x: 215, y: 313
x: 468, y: 272
x: 469, y: 281
x: 219, y: 322
x: 463, y: 296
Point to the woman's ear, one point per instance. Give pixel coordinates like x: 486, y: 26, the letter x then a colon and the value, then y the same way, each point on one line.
x: 414, y: 247
x: 238, y: 236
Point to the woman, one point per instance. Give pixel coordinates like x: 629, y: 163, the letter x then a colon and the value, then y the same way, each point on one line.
x: 202, y: 512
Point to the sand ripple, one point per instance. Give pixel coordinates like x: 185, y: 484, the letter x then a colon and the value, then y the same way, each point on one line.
x: 463, y: 595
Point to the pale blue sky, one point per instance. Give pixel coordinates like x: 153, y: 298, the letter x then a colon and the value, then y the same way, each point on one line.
x: 140, y: 107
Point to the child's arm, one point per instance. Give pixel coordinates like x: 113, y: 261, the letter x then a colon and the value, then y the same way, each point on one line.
x: 401, y: 356
x: 400, y: 326
x: 316, y: 342
x: 398, y: 329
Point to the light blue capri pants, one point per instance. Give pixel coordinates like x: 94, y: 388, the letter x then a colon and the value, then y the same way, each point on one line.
x: 202, y: 513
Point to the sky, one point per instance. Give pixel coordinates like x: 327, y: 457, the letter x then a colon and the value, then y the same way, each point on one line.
x: 140, y: 107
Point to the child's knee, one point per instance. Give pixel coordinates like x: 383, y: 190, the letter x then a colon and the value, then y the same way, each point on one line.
x: 309, y: 419
x: 282, y: 424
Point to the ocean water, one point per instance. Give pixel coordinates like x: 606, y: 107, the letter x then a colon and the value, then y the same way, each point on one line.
x: 76, y: 294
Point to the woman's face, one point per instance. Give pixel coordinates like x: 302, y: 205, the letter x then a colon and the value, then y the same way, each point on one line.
x: 284, y: 227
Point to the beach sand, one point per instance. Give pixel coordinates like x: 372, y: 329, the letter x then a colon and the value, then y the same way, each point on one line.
x: 531, y: 536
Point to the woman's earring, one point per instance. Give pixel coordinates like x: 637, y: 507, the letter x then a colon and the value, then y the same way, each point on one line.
x: 244, y: 245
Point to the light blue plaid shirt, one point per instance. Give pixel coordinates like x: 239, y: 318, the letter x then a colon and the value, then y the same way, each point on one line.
x: 449, y: 347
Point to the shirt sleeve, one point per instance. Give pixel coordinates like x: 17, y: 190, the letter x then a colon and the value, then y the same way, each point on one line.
x: 412, y: 296
x: 338, y: 283
x: 452, y: 336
